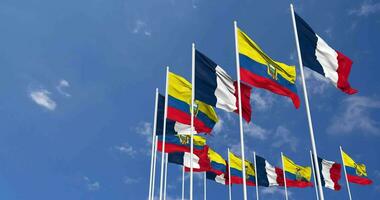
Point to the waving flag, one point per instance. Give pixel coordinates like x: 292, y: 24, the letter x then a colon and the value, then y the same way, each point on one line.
x: 179, y: 102
x: 259, y: 70
x: 215, y: 87
x: 200, y: 160
x: 221, y: 178
x: 356, y: 172
x: 320, y: 57
x: 330, y: 172
x: 180, y: 143
x: 236, y: 171
x: 296, y: 175
x: 217, y: 162
x: 267, y: 175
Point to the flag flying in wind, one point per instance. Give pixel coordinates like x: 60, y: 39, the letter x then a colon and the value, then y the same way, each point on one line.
x: 180, y: 143
x: 215, y: 87
x: 237, y: 173
x: 179, y: 103
x: 330, y: 173
x: 296, y: 175
x: 221, y: 178
x: 200, y: 162
x: 320, y: 57
x: 217, y: 163
x: 267, y: 175
x: 259, y: 70
x: 356, y: 172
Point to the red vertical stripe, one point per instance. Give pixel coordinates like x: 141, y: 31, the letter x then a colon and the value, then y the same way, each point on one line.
x: 245, y: 100
x: 335, y: 175
x: 344, y: 68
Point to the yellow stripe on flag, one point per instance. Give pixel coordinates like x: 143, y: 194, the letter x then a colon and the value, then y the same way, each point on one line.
x: 361, y: 169
x: 291, y: 167
x: 215, y: 157
x: 236, y: 163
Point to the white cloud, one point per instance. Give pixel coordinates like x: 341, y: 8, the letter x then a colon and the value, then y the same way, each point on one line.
x: 145, y: 129
x: 282, y: 137
x: 91, y: 185
x: 255, y: 131
x: 218, y: 126
x: 60, y: 87
x: 41, y: 97
x: 141, y: 27
x: 262, y: 100
x: 130, y: 180
x: 126, y: 149
x: 274, y: 190
x: 316, y: 83
x: 356, y: 115
x: 365, y: 9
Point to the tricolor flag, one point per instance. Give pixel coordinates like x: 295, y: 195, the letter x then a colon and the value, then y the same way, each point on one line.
x: 259, y: 70
x: 320, y: 57
x: 268, y: 175
x: 215, y: 87
x: 236, y: 171
x: 179, y: 103
x: 330, y: 172
x: 356, y: 172
x: 296, y: 175
x: 180, y: 143
x: 200, y: 160
x: 221, y: 178
x: 217, y: 163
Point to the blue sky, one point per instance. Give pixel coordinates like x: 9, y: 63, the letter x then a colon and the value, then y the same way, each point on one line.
x: 78, y: 79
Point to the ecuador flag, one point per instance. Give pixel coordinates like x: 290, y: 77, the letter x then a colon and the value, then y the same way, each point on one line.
x: 296, y: 175
x: 179, y: 102
x: 180, y: 143
x: 356, y: 172
x: 236, y: 171
x: 259, y: 70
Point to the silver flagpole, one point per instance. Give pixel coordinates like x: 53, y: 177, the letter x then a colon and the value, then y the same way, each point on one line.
x: 314, y: 148
x: 204, y: 186
x: 345, y: 173
x: 183, y: 182
x: 256, y: 178
x: 240, y: 112
x: 154, y: 166
x: 164, y: 133
x: 229, y: 176
x: 314, y: 177
x: 166, y: 174
x: 283, y: 170
x: 192, y: 118
x: 153, y: 145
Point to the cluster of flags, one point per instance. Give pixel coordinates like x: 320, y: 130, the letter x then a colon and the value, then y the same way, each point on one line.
x: 187, y: 109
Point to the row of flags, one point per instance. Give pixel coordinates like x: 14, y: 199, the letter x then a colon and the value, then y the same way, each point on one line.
x: 229, y: 171
x: 188, y: 111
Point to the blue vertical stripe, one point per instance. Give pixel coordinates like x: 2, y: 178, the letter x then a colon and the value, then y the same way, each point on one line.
x: 262, y: 177
x: 176, y: 158
x: 205, y: 79
x: 160, y: 118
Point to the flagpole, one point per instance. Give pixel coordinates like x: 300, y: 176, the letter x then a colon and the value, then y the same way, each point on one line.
x: 229, y: 176
x: 256, y: 179
x: 204, y: 186
x: 283, y: 170
x: 183, y: 182
x: 315, y: 181
x: 345, y: 173
x: 192, y: 118
x: 153, y: 144
x: 164, y: 132
x: 154, y: 166
x: 166, y: 174
x: 240, y: 113
x: 314, y: 148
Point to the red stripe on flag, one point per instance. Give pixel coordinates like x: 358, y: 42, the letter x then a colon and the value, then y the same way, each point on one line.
x: 170, y: 148
x: 185, y: 118
x: 289, y: 182
x: 358, y: 180
x: 335, y: 175
x: 344, y: 68
x: 245, y: 100
x: 204, y: 161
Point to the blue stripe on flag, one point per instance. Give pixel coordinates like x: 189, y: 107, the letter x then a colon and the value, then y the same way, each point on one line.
x: 176, y: 158
x: 205, y: 79
x: 262, y: 177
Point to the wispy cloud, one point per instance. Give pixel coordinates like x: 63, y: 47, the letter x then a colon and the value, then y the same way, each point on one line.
x: 218, y: 126
x: 356, y: 115
x: 262, y: 100
x: 141, y: 27
x: 130, y: 180
x: 316, y: 83
x: 365, y: 9
x: 145, y: 129
x: 91, y: 185
x: 61, y: 86
x: 283, y: 136
x: 255, y: 131
x: 274, y: 190
x: 126, y: 149
x: 42, y: 98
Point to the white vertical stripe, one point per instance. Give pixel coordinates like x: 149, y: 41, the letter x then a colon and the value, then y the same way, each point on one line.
x: 328, y: 58
x: 225, y: 91
x: 187, y: 159
x: 326, y: 167
x: 271, y: 174
x: 220, y: 179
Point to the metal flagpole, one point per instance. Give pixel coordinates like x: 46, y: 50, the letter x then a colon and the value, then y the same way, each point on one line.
x: 315, y: 181
x: 192, y: 118
x: 314, y: 148
x: 166, y: 174
x: 240, y: 112
x: 256, y: 178
x: 283, y: 170
x: 164, y: 132
x: 183, y: 182
x: 204, y: 186
x: 345, y: 173
x: 154, y: 166
x: 153, y: 144
x: 229, y: 176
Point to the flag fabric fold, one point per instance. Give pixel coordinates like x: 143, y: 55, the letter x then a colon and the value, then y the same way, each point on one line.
x: 221, y: 178
x: 237, y: 172
x: 318, y: 56
x: 268, y: 175
x: 259, y: 70
x: 180, y: 143
x: 296, y: 175
x: 330, y: 173
x: 356, y: 172
x: 200, y: 161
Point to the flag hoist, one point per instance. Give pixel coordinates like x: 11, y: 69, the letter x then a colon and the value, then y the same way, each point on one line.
x: 313, y: 145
